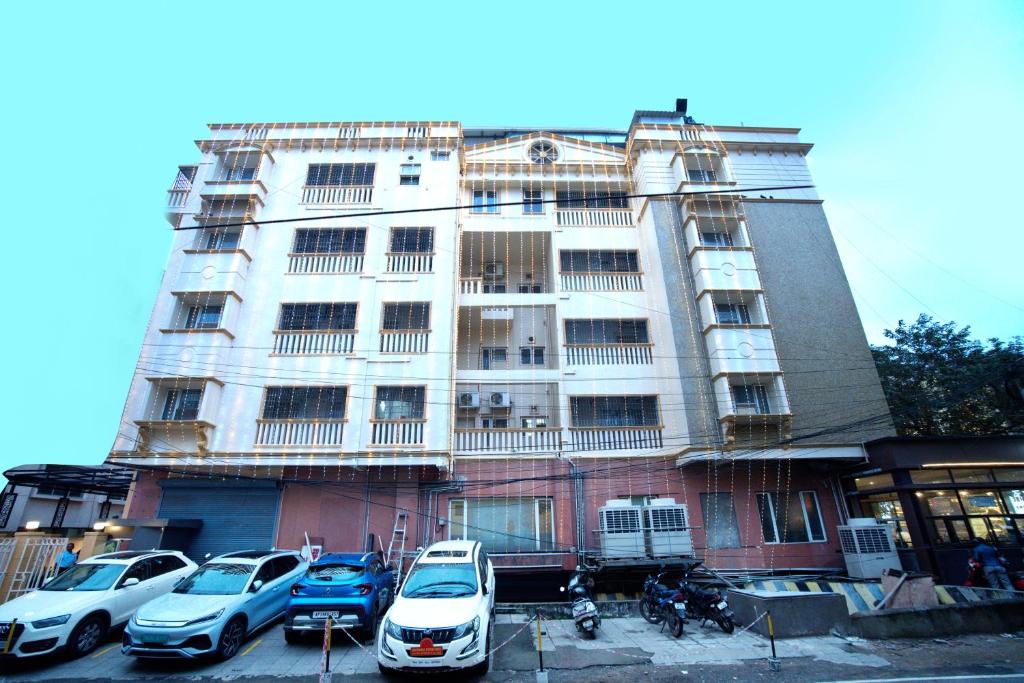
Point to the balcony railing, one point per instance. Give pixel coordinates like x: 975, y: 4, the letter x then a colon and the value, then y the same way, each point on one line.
x: 589, y: 218
x: 615, y: 438
x: 311, y: 342
x: 337, y: 194
x: 477, y: 285
x: 299, y: 432
x: 176, y: 199
x: 397, y: 432
x: 508, y: 440
x: 608, y: 354
x: 410, y: 263
x: 325, y: 263
x: 471, y: 285
x: 404, y: 341
x: 601, y: 282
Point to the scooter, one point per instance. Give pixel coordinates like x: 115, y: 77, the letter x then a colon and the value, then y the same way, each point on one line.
x: 584, y: 611
x: 706, y: 604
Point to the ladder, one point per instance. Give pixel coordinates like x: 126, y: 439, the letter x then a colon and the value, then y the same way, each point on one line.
x: 396, y: 548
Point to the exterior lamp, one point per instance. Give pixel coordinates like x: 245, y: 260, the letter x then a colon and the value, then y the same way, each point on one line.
x: 99, y: 526
x: 31, y: 526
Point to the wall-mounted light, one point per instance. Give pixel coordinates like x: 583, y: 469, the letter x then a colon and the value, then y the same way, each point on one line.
x: 31, y: 526
x: 99, y: 526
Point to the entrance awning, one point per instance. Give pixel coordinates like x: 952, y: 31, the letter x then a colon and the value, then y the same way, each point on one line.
x: 106, y: 480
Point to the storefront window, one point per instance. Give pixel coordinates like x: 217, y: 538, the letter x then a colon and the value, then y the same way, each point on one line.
x: 930, y: 476
x: 1014, y: 499
x: 1009, y: 474
x: 874, y: 481
x: 981, y: 502
x: 942, y: 503
x: 886, y: 507
x: 968, y: 476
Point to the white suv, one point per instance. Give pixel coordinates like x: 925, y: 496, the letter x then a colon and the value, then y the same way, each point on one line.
x: 442, y: 617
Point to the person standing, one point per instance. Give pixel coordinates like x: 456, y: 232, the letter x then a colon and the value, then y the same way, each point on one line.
x: 68, y: 558
x: 991, y: 564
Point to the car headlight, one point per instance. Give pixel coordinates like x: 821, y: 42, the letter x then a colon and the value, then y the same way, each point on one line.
x: 392, y: 629
x: 208, y: 617
x: 52, y: 621
x: 467, y: 628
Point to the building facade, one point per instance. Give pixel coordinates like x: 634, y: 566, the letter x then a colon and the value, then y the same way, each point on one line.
x: 370, y: 332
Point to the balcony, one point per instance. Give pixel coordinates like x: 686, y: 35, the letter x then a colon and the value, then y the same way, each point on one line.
x: 336, y: 195
x: 594, y: 218
x: 404, y: 341
x: 724, y: 270
x: 410, y: 263
x: 313, y: 342
x: 609, y: 354
x: 325, y: 263
x: 495, y: 441
x: 177, y: 196
x: 507, y: 338
x: 396, y: 432
x: 615, y: 438
x: 178, y: 415
x: 741, y: 349
x: 601, y: 282
x: 299, y: 432
x: 504, y: 263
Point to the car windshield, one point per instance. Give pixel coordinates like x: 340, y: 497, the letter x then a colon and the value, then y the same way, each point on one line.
x: 87, y: 577
x: 438, y: 580
x: 216, y: 579
x: 334, y: 572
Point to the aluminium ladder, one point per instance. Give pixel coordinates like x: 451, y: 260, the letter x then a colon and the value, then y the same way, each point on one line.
x: 398, y: 536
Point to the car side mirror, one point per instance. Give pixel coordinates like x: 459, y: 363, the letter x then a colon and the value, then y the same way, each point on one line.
x: 130, y: 582
x: 256, y: 586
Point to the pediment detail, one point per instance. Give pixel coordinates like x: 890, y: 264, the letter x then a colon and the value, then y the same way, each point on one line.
x: 567, y: 151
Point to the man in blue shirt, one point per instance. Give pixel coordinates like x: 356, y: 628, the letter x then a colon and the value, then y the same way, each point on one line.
x: 995, y: 572
x: 68, y: 558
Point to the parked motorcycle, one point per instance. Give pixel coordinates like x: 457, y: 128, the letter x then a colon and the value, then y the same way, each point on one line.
x: 654, y: 592
x: 976, y: 576
x: 706, y: 604
x: 584, y: 611
x: 671, y: 612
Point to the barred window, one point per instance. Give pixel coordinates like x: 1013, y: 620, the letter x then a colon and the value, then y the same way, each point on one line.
x: 591, y: 199
x: 586, y: 261
x: 624, y: 331
x: 614, y: 411
x: 412, y: 240
x: 399, y: 403
x: 321, y: 316
x: 406, y: 316
x: 330, y: 241
x: 340, y: 174
x: 305, y: 403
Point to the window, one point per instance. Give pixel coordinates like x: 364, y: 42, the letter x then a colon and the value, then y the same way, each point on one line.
x: 330, y: 241
x: 399, y: 403
x: 305, y: 403
x: 591, y: 199
x: 882, y: 480
x: 328, y: 316
x: 586, y: 261
x: 186, y: 175
x: 716, y: 239
x: 409, y: 174
x: 203, y: 317
x: 529, y: 288
x: 240, y: 167
x: 533, y: 201
x: 58, y: 492
x: 412, y: 316
x: 750, y: 399
x: 340, y: 174
x: 440, y: 155
x: 965, y: 476
x: 494, y: 422
x: 930, y: 476
x: 732, y: 314
x: 504, y: 525
x: 284, y: 564
x: 182, y: 404
x: 493, y: 358
x: 495, y: 287
x: 614, y: 411
x: 222, y: 240
x: 701, y: 175
x: 484, y: 201
x: 720, y: 520
x: 267, y: 572
x: 139, y: 570
x: 534, y: 422
x: 886, y: 507
x: 626, y: 331
x: 412, y: 240
x: 791, y: 517
x: 531, y: 355
x: 162, y: 564
x: 1009, y: 474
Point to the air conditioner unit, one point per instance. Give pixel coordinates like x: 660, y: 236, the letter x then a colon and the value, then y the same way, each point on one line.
x: 668, y: 533
x: 621, y: 529
x: 494, y: 270
x: 501, y: 399
x: 469, y: 399
x: 868, y: 548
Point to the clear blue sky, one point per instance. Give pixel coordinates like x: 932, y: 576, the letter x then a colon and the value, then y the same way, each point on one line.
x: 915, y: 110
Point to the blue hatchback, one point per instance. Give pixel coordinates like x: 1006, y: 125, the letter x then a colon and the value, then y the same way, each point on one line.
x: 353, y: 589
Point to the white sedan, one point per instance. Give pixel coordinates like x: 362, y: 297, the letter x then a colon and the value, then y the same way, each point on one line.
x: 78, y: 608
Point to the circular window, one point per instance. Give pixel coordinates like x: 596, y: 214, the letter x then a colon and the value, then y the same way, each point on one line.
x: 543, y: 153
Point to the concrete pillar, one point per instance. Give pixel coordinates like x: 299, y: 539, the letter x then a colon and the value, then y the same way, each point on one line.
x: 21, y: 539
x: 94, y: 543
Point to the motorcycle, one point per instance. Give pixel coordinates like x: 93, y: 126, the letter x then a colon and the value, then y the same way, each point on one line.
x: 584, y: 611
x: 706, y: 604
x: 654, y: 592
x: 976, y: 576
x: 672, y: 612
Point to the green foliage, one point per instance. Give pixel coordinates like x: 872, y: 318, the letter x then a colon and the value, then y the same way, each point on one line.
x: 939, y: 381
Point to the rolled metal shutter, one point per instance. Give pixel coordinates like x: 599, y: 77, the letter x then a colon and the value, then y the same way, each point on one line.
x: 234, y: 517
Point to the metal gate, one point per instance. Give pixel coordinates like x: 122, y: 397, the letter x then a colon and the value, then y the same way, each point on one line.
x: 6, y: 551
x: 235, y: 517
x: 37, y: 563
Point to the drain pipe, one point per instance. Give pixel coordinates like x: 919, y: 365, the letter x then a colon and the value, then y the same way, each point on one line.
x: 432, y: 491
x: 579, y: 504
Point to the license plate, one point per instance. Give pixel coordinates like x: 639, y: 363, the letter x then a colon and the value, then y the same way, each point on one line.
x: 324, y: 615
x: 723, y: 604
x: 156, y: 639
x: 424, y: 662
x: 434, y: 651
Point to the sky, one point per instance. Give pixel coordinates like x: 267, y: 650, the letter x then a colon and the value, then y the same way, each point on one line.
x: 914, y: 110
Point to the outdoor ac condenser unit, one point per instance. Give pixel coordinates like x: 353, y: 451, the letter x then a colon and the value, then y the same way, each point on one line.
x: 494, y: 270
x: 469, y: 399
x: 668, y: 533
x: 501, y: 399
x: 622, y: 530
x: 868, y: 548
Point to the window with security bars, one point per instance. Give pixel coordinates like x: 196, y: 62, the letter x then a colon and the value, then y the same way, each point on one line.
x: 750, y: 399
x: 606, y: 331
x: 406, y: 316
x: 716, y: 239
x: 790, y: 517
x: 701, y: 175
x: 614, y: 411
x: 330, y: 241
x: 182, y: 404
x: 591, y: 199
x: 319, y: 316
x: 412, y: 241
x: 239, y: 167
x: 220, y: 240
x: 340, y: 174
x: 305, y: 403
x: 203, y: 317
x: 595, y: 261
x: 732, y: 314
x: 504, y: 525
x: 399, y: 403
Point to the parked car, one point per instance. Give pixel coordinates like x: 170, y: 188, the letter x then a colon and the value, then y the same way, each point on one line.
x: 212, y: 612
x: 442, y: 617
x: 75, y: 610
x: 353, y: 589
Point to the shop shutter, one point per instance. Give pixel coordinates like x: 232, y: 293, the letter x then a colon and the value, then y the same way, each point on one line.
x: 233, y: 518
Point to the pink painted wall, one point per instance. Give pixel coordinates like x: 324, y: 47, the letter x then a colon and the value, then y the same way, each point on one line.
x: 144, y: 498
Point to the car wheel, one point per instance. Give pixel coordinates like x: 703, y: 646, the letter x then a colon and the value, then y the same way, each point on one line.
x: 231, y: 638
x: 370, y: 630
x: 87, y: 636
x: 483, y: 667
x: 293, y: 637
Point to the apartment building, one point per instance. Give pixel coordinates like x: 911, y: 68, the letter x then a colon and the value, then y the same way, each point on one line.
x: 370, y: 332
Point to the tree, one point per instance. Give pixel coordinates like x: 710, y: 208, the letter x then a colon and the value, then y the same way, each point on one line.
x: 939, y: 381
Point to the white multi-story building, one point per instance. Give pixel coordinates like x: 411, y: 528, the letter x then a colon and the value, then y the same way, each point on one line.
x: 486, y: 332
